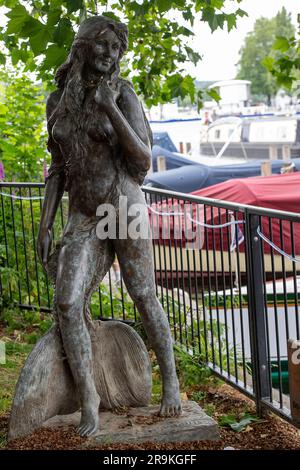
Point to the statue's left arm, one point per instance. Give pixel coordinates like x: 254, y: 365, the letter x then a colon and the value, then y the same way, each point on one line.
x: 128, y: 119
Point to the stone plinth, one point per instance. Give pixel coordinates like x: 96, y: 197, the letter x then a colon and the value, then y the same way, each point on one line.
x: 143, y: 424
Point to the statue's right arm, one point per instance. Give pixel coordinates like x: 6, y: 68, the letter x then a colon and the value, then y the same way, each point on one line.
x: 54, y: 188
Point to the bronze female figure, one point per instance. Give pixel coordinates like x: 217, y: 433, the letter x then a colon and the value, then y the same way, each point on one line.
x: 100, y: 143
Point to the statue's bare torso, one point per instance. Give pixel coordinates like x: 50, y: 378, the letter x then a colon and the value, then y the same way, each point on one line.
x: 91, y: 177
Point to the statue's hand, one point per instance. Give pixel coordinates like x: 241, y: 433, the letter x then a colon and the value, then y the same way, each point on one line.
x: 105, y: 96
x: 44, y: 243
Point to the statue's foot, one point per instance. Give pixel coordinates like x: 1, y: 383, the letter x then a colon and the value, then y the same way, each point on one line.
x: 89, y: 423
x: 171, y: 402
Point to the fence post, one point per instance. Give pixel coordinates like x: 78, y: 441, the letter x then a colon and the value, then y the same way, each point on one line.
x: 256, y: 308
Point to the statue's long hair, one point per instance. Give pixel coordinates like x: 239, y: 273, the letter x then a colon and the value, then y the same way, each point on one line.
x: 69, y: 79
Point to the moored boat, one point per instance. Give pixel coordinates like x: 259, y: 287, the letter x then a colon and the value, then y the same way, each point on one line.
x: 253, y: 138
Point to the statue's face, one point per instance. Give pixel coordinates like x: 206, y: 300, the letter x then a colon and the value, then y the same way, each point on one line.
x: 105, y: 52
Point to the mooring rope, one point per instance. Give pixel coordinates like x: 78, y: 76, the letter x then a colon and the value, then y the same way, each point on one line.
x: 275, y: 247
x: 202, y: 224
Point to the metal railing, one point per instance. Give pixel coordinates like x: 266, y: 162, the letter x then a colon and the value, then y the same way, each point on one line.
x: 227, y: 276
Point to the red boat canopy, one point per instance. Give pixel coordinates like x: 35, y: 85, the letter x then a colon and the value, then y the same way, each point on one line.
x: 281, y: 192
x: 278, y: 192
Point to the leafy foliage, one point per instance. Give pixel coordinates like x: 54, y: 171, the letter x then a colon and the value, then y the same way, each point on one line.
x: 22, y: 127
x: 26, y: 325
x: 236, y: 425
x: 258, y: 45
x: 39, y: 34
x: 285, y: 67
x: 190, y: 368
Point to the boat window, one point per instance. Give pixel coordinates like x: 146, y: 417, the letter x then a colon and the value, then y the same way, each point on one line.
x: 217, y: 133
x: 273, y: 131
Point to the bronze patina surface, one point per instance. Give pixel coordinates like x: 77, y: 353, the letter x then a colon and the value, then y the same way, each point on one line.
x: 100, y: 143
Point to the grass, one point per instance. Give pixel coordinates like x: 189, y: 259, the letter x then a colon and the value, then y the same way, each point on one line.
x: 19, y: 330
x: 16, y: 354
x: 24, y: 325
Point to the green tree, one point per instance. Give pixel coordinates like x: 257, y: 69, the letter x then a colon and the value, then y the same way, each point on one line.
x: 22, y: 127
x: 285, y: 67
x: 257, y: 46
x: 39, y: 34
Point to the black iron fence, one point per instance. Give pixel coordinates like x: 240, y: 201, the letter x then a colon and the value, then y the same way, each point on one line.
x: 227, y: 276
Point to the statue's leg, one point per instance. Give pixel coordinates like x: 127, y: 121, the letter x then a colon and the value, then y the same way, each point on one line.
x: 136, y: 261
x: 81, y: 258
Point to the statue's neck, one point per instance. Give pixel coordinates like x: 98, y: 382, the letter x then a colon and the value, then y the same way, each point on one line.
x: 89, y: 75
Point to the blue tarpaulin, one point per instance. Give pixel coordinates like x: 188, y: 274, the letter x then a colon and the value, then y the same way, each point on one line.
x: 164, y: 140
x: 193, y: 176
x: 172, y: 160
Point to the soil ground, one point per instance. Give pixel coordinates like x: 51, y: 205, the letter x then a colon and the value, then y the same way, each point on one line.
x: 271, y: 433
x: 219, y: 400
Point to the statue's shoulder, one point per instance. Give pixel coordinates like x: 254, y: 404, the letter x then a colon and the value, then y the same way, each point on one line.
x: 125, y: 87
x: 52, y: 101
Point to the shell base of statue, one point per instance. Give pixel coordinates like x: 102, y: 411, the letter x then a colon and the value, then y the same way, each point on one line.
x: 122, y: 374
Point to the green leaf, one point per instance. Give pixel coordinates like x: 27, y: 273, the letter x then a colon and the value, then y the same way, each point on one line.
x: 53, y: 17
x: 24, y: 54
x: 185, y: 31
x: 112, y: 15
x: 15, y: 56
x: 220, y: 20
x: 192, y: 55
x: 237, y: 426
x: 281, y: 44
x: 9, y: 3
x: 164, y: 5
x: 55, y: 56
x: 268, y: 62
x: 64, y: 33
x: 212, y: 92
x: 2, y: 59
x: 7, y: 147
x: 231, y: 21
x: 218, y: 4
x: 210, y: 17
x: 188, y: 87
x: 18, y: 16
x: 39, y: 42
x: 17, y: 12
x: 285, y: 63
x: 73, y: 5
x: 55, y: 4
x: 188, y: 15
x: 3, y: 109
x: 31, y: 27
x: 241, y: 425
x: 139, y: 9
x: 241, y: 13
x: 199, y: 5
